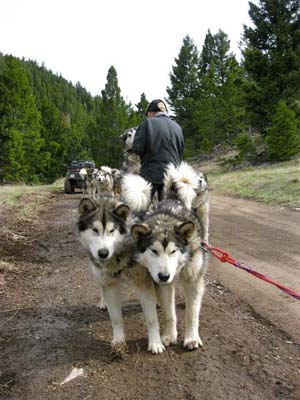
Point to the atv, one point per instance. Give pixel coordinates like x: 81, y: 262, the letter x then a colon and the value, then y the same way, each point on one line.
x: 73, y: 179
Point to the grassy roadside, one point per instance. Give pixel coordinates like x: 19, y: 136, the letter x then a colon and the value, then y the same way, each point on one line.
x: 273, y: 184
x: 26, y: 199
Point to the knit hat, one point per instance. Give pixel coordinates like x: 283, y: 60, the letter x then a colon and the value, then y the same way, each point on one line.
x: 156, y: 106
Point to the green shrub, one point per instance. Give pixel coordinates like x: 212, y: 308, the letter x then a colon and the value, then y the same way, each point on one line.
x: 245, y: 147
x: 283, y: 139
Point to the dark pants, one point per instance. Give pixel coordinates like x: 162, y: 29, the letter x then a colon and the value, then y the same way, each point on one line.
x: 157, y: 187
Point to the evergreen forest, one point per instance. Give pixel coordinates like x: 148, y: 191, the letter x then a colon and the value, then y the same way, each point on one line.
x: 252, y: 105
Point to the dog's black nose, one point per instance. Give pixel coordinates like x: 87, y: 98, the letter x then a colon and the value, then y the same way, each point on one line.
x: 103, y: 253
x: 163, y: 277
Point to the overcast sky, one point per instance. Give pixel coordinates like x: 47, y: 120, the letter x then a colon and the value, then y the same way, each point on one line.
x: 81, y: 39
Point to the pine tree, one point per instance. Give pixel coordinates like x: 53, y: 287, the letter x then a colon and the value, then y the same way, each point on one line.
x: 113, y: 120
x: 20, y: 137
x: 142, y: 106
x: 66, y: 112
x: 219, y: 114
x: 271, y: 57
x: 184, y: 87
x: 283, y: 137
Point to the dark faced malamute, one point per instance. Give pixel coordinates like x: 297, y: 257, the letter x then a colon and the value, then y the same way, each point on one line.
x: 168, y: 244
x: 90, y: 184
x: 103, y: 232
x: 131, y: 161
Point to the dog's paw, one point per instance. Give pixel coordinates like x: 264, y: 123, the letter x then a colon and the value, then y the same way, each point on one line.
x: 169, y: 338
x: 118, y: 341
x: 192, y: 343
x: 102, y: 305
x: 156, y: 348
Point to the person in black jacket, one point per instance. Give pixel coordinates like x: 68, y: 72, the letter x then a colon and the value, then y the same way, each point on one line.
x: 158, y: 141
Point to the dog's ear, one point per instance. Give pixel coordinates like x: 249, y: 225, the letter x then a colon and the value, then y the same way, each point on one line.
x: 86, y: 206
x: 185, y: 230
x: 122, y: 211
x: 140, y: 231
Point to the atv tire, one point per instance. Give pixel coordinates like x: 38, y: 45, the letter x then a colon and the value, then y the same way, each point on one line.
x: 68, y: 187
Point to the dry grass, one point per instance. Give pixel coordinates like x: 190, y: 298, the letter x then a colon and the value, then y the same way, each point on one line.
x: 272, y: 184
x: 26, y: 200
x: 10, y: 194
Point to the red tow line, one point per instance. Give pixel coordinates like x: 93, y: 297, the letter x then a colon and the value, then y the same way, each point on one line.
x: 225, y: 257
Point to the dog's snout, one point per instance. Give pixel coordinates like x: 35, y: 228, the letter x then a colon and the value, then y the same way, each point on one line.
x: 163, y: 277
x: 103, y: 253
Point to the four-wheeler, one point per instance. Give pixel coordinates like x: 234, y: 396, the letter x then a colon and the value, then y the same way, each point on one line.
x: 73, y: 179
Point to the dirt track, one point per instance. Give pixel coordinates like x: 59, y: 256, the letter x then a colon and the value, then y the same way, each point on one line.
x: 50, y: 323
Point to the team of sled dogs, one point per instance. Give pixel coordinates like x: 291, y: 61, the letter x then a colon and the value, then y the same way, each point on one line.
x: 148, y: 246
x: 106, y: 179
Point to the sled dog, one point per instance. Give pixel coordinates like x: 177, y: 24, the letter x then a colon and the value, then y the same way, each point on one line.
x: 103, y: 232
x: 131, y: 161
x: 168, y: 245
x: 104, y: 179
x: 191, y: 189
x: 90, y: 183
x: 117, y: 181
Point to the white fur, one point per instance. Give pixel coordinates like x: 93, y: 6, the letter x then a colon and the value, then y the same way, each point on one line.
x: 113, y: 301
x: 166, y: 296
x: 106, y: 169
x: 148, y: 304
x: 160, y: 260
x: 186, y: 181
x: 83, y: 173
x: 93, y: 241
x: 136, y: 192
x: 193, y: 291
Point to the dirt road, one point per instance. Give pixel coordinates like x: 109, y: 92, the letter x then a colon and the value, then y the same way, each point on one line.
x: 50, y: 322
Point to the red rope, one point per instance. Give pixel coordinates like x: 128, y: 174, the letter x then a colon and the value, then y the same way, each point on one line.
x: 225, y: 257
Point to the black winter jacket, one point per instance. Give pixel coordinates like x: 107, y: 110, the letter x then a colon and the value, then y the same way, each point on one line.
x: 158, y: 141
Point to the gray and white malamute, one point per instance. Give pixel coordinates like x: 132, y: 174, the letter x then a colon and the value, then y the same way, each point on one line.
x: 103, y: 232
x: 168, y: 244
x: 191, y: 189
x: 90, y: 183
x: 131, y: 161
x: 182, y: 183
x: 104, y: 180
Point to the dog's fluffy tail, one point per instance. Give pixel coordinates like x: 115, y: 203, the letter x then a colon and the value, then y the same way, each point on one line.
x: 185, y: 180
x: 136, y: 192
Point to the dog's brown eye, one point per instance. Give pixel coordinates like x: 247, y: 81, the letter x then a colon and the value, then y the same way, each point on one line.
x: 174, y: 251
x: 111, y: 231
x: 95, y: 230
x: 154, y: 251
